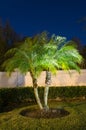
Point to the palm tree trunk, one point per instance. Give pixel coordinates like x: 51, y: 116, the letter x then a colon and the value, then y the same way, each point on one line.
x: 37, y: 98
x: 46, y: 89
x: 35, y: 86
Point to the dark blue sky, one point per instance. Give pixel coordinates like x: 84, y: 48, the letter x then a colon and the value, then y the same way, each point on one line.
x: 62, y: 17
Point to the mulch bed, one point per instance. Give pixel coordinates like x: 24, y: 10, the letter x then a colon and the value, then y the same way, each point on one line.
x: 51, y: 113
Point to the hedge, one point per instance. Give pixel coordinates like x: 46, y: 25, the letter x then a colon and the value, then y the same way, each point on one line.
x: 13, y: 96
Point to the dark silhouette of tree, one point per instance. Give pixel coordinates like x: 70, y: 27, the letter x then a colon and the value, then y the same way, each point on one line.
x: 82, y: 50
x: 8, y: 39
x: 78, y: 44
x: 2, y: 44
x: 84, y: 56
x: 11, y: 37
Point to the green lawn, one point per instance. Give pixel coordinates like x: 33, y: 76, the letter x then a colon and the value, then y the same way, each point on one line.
x: 76, y: 120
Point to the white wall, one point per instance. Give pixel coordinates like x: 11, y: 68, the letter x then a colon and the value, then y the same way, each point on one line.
x: 62, y: 78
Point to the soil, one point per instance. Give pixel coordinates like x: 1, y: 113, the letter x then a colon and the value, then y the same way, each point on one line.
x: 51, y: 113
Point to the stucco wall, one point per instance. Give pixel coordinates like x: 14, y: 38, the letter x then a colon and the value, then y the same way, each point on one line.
x: 62, y: 78
x: 16, y: 79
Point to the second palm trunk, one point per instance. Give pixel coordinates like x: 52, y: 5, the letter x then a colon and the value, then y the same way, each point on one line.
x: 46, y: 89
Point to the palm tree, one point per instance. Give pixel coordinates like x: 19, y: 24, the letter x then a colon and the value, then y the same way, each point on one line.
x: 27, y: 58
x: 60, y: 55
x: 35, y: 56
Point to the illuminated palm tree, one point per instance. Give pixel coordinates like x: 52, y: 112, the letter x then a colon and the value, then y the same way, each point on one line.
x: 27, y: 58
x: 35, y: 56
x: 60, y: 54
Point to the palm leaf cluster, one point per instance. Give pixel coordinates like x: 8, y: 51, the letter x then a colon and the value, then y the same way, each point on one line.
x: 37, y: 54
x: 26, y: 57
x: 60, y: 54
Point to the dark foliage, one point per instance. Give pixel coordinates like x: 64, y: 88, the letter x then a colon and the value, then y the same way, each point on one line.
x: 82, y: 50
x: 8, y: 39
x: 12, y: 97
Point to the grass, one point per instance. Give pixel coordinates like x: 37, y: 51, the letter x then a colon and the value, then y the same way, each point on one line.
x: 76, y: 120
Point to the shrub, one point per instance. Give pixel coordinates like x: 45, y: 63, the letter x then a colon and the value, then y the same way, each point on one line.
x: 15, y: 96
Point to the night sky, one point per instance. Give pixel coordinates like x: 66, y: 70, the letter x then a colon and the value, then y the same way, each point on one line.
x: 61, y: 17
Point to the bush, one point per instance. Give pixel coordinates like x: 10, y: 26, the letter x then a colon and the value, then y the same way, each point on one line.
x: 67, y: 92
x: 15, y: 96
x: 11, y: 97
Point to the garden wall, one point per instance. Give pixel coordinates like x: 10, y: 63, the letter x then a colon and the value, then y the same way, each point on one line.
x: 16, y: 79
x: 62, y: 78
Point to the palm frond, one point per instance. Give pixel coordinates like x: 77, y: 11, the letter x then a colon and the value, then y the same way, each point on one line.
x: 37, y: 54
